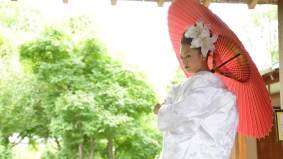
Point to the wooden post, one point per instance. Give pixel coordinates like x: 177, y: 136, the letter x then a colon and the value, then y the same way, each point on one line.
x: 160, y: 3
x: 234, y: 151
x: 280, y: 43
x: 206, y: 3
x: 65, y: 1
x: 239, y: 147
x: 242, y: 146
x: 113, y: 2
x: 252, y: 3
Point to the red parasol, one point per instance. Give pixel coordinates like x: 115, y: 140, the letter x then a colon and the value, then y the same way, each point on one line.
x: 231, y: 62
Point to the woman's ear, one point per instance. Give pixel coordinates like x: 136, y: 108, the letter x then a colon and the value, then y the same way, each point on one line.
x: 203, y: 59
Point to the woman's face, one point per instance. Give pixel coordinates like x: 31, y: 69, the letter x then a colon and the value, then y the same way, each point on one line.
x: 192, y: 59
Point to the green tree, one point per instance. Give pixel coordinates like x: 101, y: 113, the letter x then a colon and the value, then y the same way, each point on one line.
x: 72, y: 92
x: 178, y: 77
x: 22, y: 17
x: 97, y: 106
x: 18, y: 100
x: 265, y: 29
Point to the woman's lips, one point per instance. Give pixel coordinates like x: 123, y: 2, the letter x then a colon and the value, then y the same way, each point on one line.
x: 186, y: 67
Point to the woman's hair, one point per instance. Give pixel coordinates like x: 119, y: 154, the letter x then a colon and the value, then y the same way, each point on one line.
x: 185, y: 40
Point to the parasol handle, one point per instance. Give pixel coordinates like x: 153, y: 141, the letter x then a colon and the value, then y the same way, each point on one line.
x: 212, y: 70
x: 228, y: 60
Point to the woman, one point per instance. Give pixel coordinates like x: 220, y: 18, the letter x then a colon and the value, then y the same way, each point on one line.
x: 199, y: 118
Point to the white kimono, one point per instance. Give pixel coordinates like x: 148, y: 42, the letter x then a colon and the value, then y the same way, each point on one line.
x: 199, y: 119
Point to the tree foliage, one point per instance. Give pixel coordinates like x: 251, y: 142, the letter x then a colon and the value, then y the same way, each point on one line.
x: 20, y: 16
x: 265, y: 29
x: 96, y: 105
x: 18, y: 100
x: 67, y: 92
x: 177, y: 78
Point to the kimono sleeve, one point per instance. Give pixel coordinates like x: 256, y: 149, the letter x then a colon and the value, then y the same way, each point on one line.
x: 200, y: 100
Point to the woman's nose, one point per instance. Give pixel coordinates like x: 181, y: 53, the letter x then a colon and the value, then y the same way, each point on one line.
x: 184, y: 62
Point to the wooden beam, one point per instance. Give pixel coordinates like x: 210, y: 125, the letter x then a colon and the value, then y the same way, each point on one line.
x: 65, y: 1
x: 280, y: 43
x: 13, y: 0
x: 206, y: 3
x: 271, y: 78
x: 252, y: 3
x: 160, y: 3
x: 113, y: 2
x: 275, y: 96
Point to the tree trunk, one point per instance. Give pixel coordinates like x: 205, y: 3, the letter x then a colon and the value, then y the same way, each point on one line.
x: 110, y: 148
x: 81, y: 151
x: 58, y: 143
x: 92, y: 148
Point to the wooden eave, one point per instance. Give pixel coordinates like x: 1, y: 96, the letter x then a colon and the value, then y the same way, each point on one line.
x: 250, y: 3
x: 205, y: 2
x: 272, y: 78
x: 219, y: 1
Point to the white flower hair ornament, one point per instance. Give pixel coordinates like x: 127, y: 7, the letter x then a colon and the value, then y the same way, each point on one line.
x: 201, y: 37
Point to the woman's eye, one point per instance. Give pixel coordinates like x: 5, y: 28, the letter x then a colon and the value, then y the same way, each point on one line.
x: 188, y: 56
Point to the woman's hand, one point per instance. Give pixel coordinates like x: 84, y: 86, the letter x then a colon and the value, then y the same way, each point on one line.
x: 156, y: 108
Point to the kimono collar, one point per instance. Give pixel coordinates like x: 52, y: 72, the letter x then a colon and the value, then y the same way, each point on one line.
x: 210, y: 77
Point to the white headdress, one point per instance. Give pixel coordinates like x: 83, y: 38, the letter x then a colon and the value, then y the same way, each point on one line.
x: 201, y: 37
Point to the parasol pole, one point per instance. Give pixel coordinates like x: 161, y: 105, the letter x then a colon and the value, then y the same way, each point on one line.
x: 280, y: 43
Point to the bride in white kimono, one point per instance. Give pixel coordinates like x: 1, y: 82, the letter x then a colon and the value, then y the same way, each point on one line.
x: 199, y: 118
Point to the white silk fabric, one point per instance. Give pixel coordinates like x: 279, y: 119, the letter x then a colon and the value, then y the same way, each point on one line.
x: 199, y: 119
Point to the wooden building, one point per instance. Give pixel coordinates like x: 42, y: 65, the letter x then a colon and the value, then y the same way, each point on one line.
x: 267, y: 147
